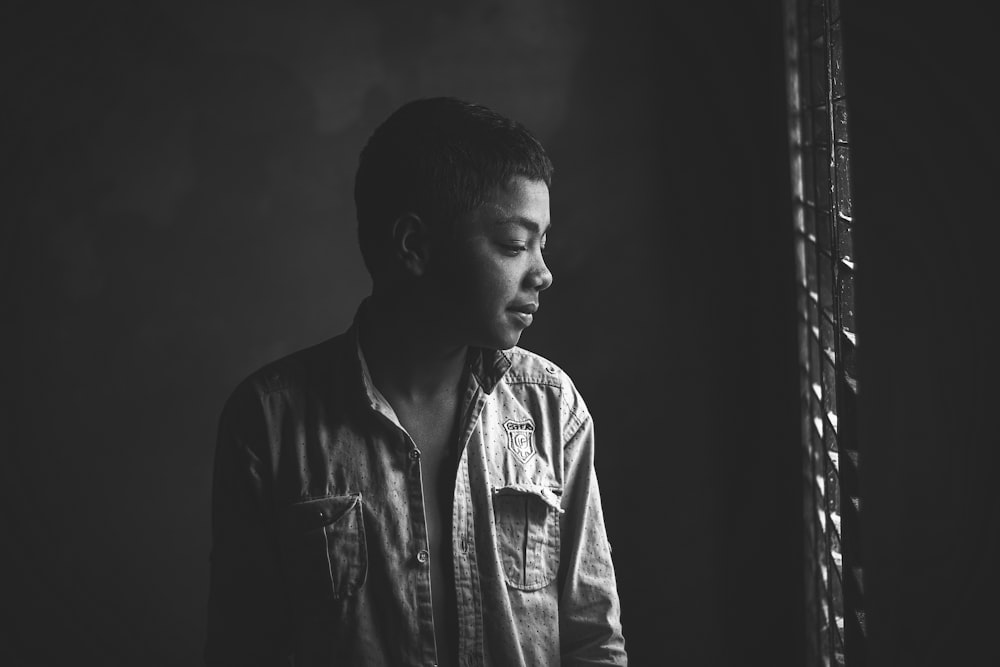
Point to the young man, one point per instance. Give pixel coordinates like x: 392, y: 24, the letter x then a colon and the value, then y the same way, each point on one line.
x: 418, y: 490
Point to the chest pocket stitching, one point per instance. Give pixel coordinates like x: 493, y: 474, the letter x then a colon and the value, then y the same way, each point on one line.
x: 324, y: 548
x: 528, y: 534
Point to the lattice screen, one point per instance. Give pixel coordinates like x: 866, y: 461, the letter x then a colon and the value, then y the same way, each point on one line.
x: 824, y: 223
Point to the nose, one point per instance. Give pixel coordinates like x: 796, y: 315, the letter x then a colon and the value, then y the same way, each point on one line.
x: 540, y: 277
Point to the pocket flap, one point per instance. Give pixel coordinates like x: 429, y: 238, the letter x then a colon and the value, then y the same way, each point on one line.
x: 547, y: 494
x: 312, y: 514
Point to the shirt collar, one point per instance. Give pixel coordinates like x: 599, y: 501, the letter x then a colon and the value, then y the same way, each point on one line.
x: 488, y: 366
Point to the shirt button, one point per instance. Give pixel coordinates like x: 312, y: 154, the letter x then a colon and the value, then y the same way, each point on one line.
x: 423, y: 556
x: 414, y: 455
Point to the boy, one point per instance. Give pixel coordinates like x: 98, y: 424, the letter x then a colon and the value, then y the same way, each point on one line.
x: 418, y: 490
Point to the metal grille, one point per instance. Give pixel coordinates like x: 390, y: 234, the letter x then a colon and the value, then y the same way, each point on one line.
x: 821, y: 187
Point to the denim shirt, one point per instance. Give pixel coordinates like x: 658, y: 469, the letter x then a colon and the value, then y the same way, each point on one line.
x: 319, y: 541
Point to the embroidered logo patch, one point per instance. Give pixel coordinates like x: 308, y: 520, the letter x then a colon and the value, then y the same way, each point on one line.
x: 520, y: 440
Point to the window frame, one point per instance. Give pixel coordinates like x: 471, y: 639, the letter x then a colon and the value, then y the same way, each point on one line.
x: 819, y: 149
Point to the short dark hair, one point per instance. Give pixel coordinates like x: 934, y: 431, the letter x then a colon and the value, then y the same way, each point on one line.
x: 439, y: 158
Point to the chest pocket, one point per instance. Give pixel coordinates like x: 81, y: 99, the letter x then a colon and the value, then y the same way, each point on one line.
x: 527, y: 523
x: 323, y: 545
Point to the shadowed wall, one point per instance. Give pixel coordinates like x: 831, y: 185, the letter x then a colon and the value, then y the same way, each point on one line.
x: 925, y: 143
x: 179, y: 212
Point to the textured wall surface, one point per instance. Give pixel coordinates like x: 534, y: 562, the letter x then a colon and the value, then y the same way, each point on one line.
x: 178, y: 211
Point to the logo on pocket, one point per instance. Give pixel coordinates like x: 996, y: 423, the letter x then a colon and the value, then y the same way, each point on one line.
x: 520, y: 439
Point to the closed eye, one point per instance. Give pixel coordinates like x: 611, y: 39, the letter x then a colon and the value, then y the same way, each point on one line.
x: 515, y: 247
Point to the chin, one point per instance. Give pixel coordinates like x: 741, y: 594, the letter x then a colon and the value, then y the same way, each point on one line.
x: 499, y: 340
x: 508, y: 345
x: 493, y: 333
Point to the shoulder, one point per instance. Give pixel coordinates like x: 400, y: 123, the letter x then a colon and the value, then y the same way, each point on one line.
x: 531, y: 369
x: 312, y: 366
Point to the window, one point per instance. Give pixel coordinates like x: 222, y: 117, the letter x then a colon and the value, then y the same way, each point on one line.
x: 821, y: 188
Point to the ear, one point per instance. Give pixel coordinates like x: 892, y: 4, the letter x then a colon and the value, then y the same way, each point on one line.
x: 411, y: 243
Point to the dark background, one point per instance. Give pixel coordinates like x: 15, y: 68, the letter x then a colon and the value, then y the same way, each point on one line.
x: 177, y: 196
x: 920, y: 86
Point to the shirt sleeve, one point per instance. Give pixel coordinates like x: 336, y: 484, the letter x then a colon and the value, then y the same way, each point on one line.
x: 247, y: 609
x: 589, y: 612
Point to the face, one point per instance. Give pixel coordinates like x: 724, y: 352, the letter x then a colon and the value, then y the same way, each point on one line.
x: 493, y: 270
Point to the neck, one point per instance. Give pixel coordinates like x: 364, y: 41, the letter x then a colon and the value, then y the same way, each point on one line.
x: 407, y: 357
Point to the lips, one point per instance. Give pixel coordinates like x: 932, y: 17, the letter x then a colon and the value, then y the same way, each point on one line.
x: 526, y: 308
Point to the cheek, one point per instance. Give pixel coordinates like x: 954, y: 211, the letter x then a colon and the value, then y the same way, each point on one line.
x: 496, y: 285
x: 481, y: 289
x: 483, y: 280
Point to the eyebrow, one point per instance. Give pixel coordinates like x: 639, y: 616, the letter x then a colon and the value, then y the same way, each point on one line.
x: 527, y: 223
